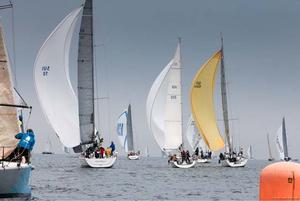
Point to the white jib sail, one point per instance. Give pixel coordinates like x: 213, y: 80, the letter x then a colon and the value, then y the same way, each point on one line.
x: 164, y: 106
x: 122, y: 130
x: 192, y: 134
x: 279, y: 143
x: 53, y: 85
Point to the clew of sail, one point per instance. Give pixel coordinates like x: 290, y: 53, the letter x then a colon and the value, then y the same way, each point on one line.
x: 53, y: 85
x: 8, y: 115
x: 202, y: 103
x: 164, y: 112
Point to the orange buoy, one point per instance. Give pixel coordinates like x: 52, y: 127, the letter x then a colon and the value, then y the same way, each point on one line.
x: 280, y: 181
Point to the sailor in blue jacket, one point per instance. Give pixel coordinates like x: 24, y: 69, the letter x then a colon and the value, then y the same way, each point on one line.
x: 26, y: 143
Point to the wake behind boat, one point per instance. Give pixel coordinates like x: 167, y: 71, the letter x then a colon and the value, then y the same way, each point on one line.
x: 73, y: 119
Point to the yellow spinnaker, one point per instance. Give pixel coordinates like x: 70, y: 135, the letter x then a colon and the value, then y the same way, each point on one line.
x: 202, y: 103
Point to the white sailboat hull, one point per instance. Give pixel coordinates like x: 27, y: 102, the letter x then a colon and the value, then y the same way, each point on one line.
x: 204, y: 160
x: 183, y: 165
x: 14, y: 180
x: 238, y: 163
x: 134, y: 157
x: 98, y: 162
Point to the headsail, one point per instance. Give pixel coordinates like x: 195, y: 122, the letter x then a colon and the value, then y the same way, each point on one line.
x: 8, y: 115
x: 53, y: 85
x: 124, y: 130
x: 192, y: 134
x: 164, y: 112
x: 86, y: 75
x: 202, y: 103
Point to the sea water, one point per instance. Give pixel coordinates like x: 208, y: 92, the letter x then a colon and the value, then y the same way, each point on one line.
x: 60, y: 177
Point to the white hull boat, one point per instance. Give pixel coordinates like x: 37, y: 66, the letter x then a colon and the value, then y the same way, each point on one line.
x: 134, y: 157
x: 98, y: 162
x: 183, y: 165
x: 203, y: 160
x: 238, y: 163
x: 15, y: 180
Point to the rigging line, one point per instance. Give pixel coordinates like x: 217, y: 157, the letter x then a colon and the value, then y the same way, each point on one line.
x: 24, y: 102
x: 28, y: 119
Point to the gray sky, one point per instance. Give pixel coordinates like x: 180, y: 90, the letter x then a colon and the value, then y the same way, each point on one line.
x: 261, y: 41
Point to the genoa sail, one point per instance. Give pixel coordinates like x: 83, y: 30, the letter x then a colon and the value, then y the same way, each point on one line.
x: 52, y: 82
x: 8, y: 115
x: 124, y: 130
x: 164, y: 106
x: 202, y: 103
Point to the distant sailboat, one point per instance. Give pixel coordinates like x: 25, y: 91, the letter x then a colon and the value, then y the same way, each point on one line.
x: 48, y: 147
x: 195, y: 140
x: 147, y: 154
x: 203, y: 110
x: 125, y: 133
x: 14, y: 175
x: 164, y: 108
x: 281, y: 142
x: 72, y: 118
x: 249, y: 152
x: 269, y: 149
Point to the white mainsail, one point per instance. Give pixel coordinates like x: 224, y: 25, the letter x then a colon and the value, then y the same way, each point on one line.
x: 249, y: 152
x: 53, y: 85
x: 124, y: 130
x: 281, y: 142
x: 164, y: 106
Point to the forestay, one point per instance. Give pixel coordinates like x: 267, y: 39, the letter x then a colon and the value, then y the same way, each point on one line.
x: 202, y: 103
x: 164, y: 106
x: 53, y: 85
x: 8, y: 115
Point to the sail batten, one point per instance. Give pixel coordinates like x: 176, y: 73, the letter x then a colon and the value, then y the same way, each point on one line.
x: 202, y: 103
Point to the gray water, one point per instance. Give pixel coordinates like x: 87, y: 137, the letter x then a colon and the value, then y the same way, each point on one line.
x: 60, y: 177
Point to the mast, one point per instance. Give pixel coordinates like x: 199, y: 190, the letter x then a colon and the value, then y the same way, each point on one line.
x: 224, y: 100
x: 86, y: 75
x: 129, y: 130
x: 284, y: 140
x: 179, y: 46
x: 269, y: 147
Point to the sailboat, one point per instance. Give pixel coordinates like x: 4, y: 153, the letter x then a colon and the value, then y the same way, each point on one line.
x: 269, y: 149
x: 72, y: 118
x: 125, y: 134
x: 196, y: 142
x: 203, y: 110
x: 147, y: 154
x: 14, y: 175
x: 164, y: 109
x: 249, y: 152
x: 281, y: 143
x: 48, y: 147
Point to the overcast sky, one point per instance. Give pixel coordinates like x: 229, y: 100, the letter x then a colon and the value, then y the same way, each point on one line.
x: 137, y: 38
